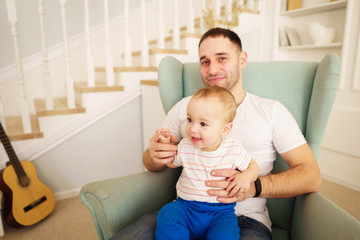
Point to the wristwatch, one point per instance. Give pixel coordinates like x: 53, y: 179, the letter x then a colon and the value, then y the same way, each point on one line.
x: 257, y: 187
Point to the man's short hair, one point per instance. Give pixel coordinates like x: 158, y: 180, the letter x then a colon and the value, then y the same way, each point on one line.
x: 222, y: 96
x: 226, y: 33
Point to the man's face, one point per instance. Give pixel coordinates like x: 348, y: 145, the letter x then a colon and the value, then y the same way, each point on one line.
x: 221, y: 63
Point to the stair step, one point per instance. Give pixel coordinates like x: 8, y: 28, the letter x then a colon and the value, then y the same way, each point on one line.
x: 182, y: 35
x: 128, y: 69
x: 184, y: 28
x: 60, y: 107
x: 15, y: 131
x: 82, y: 87
x: 149, y: 82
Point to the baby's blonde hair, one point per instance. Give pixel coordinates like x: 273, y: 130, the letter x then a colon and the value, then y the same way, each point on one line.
x: 221, y: 95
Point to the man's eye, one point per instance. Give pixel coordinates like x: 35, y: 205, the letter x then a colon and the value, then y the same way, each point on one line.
x: 204, y: 62
x: 203, y: 124
x: 222, y: 59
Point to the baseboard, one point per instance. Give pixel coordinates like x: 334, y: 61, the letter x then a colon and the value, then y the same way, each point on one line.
x: 67, y: 194
x: 341, y: 182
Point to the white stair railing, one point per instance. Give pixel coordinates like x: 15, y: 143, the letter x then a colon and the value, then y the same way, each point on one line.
x: 161, y: 35
x: 190, y: 22
x: 45, y: 59
x: 228, y: 10
x: 68, y: 77
x: 127, y: 38
x: 144, y: 40
x: 176, y: 30
x: 89, y: 57
x: 25, y: 114
x: 202, y: 21
x: 108, y: 58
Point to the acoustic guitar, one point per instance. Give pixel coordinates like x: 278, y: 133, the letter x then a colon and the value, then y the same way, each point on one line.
x: 27, y: 200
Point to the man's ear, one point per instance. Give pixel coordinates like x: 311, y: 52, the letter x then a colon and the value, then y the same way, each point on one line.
x: 243, y: 59
x: 227, y: 129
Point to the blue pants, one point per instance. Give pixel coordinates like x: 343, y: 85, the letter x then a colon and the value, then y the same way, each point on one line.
x: 183, y: 219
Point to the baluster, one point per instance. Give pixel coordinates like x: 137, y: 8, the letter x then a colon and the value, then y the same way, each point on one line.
x: 144, y: 41
x: 217, y: 8
x: 89, y: 57
x: 228, y: 10
x: 202, y: 21
x: 25, y: 114
x: 46, y: 73
x: 69, y: 79
x: 127, y: 38
x: 161, y: 35
x: 176, y: 30
x: 250, y: 4
x: 109, y: 62
x: 190, y: 24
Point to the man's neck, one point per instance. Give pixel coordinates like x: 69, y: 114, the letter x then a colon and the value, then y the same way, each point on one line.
x: 239, y: 96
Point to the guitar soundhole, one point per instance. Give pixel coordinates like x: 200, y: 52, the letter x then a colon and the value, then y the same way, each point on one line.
x: 35, y: 203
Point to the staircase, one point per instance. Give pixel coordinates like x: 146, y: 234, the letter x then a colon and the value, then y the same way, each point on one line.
x: 95, y: 100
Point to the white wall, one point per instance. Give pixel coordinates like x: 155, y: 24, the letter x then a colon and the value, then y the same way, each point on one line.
x: 110, y: 148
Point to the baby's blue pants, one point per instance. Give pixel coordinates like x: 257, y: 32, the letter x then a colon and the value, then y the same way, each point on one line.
x: 183, y: 219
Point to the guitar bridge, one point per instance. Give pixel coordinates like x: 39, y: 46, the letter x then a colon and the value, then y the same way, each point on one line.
x: 35, y: 203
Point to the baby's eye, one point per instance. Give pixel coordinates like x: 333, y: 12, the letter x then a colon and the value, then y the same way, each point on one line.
x: 203, y: 124
x: 189, y: 119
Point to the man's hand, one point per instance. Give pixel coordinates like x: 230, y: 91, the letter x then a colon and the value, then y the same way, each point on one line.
x: 223, y: 195
x: 159, y: 154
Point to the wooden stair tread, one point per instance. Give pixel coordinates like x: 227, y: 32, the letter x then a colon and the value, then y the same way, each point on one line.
x: 149, y: 82
x: 60, y: 107
x: 82, y: 87
x: 15, y: 130
x: 182, y: 35
x: 184, y: 28
x: 128, y: 69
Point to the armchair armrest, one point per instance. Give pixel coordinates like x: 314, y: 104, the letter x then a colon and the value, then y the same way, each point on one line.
x: 118, y: 202
x: 316, y: 217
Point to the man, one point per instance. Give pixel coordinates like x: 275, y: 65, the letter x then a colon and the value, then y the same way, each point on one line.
x: 264, y: 126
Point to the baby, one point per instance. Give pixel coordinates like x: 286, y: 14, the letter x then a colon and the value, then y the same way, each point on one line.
x: 195, y: 214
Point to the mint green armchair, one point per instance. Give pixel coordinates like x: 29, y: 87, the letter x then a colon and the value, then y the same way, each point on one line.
x: 307, y: 89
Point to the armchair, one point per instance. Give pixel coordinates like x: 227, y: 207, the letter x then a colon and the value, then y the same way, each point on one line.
x: 307, y: 89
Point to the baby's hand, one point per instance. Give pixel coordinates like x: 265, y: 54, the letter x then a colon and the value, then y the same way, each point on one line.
x: 164, y: 135
x: 238, y: 184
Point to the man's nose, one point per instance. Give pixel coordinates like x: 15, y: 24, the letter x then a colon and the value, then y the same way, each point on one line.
x: 213, y: 68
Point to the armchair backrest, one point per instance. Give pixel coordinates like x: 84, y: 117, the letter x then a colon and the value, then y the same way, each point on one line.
x: 307, y: 89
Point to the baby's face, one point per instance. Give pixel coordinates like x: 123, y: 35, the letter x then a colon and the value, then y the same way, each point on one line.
x: 205, y: 123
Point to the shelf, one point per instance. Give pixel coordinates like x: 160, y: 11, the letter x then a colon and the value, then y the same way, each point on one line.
x: 319, y: 8
x: 312, y: 46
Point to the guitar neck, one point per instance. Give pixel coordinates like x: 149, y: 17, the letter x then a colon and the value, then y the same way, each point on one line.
x: 14, y: 161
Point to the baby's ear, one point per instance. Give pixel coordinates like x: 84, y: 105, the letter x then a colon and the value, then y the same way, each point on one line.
x: 227, y: 129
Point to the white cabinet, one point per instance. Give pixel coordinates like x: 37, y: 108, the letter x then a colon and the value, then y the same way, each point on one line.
x: 327, y: 14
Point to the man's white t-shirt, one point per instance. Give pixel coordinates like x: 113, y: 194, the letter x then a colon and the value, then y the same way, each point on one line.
x: 264, y: 127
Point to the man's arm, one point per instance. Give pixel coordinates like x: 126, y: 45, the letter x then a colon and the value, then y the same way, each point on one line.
x: 302, y: 177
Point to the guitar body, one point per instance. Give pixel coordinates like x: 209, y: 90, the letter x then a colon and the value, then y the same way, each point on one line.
x: 25, y: 205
